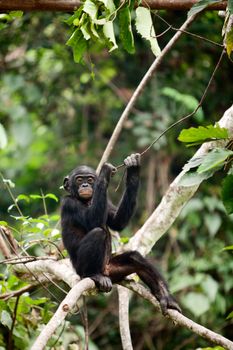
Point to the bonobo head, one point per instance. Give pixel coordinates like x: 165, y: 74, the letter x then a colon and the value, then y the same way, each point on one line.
x: 80, y: 182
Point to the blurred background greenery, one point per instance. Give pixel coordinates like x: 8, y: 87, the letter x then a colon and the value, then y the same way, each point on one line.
x: 57, y: 114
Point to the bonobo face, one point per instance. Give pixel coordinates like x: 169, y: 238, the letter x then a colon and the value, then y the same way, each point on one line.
x: 85, y: 185
x: 80, y: 182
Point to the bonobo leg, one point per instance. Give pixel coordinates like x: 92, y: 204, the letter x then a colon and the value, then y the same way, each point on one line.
x: 92, y: 255
x: 124, y: 264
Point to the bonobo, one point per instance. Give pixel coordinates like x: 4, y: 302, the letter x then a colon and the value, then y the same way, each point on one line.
x: 86, y: 216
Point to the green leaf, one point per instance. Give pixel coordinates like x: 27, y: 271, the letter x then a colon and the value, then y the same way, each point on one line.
x: 84, y: 29
x: 227, y: 193
x: 78, y: 44
x: 189, y: 101
x: 203, y: 133
x: 210, y: 287
x: 126, y: 33
x: 229, y: 247
x: 214, y: 159
x: 6, y: 319
x: 75, y: 16
x: 145, y: 28
x: 229, y: 42
x: 23, y: 197
x: 213, y: 222
x: 193, y: 178
x: 201, y: 5
x: 90, y: 8
x: 108, y: 31
x: 15, y: 14
x: 3, y: 223
x: 3, y: 137
x: 197, y: 303
x: 193, y: 163
x: 35, y: 196
x: 109, y: 4
x: 51, y: 196
x: 230, y: 315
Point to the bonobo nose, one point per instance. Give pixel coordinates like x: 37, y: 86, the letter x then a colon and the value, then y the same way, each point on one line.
x: 85, y: 185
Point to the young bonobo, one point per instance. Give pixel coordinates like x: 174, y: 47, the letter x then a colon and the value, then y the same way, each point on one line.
x: 87, y: 213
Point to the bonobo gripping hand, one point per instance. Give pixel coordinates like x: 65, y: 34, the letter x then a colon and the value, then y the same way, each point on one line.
x: 109, y: 169
x: 134, y: 160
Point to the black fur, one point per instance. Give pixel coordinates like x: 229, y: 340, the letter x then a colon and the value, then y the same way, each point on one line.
x: 86, y: 236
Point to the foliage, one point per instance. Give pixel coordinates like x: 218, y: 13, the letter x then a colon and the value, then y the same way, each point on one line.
x: 94, y: 22
x: 57, y: 114
x: 207, y: 164
x: 9, y: 17
x: 196, y: 136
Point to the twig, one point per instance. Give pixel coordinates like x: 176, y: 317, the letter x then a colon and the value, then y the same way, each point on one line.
x: 187, y: 116
x: 18, y: 292
x: 170, y: 26
x: 149, y: 74
x: 25, y: 259
x: 10, y: 339
x: 195, y: 110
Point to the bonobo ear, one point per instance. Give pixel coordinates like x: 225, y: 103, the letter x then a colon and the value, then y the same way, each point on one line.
x: 66, y: 185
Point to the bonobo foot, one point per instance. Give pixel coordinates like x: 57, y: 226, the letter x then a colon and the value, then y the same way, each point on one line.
x: 103, y: 283
x: 168, y: 302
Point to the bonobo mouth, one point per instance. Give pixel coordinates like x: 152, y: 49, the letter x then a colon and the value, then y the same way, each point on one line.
x: 85, y: 193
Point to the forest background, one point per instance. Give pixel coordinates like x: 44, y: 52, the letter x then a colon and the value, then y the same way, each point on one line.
x: 56, y: 114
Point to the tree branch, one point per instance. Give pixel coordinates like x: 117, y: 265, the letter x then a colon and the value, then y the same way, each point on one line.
x: 123, y: 298
x: 66, y: 306
x: 62, y: 270
x: 149, y: 74
x: 87, y: 284
x: 147, y: 77
x: 180, y: 319
x: 71, y: 5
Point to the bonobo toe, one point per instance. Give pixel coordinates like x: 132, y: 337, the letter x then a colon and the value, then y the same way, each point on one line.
x: 103, y: 283
x: 169, y: 302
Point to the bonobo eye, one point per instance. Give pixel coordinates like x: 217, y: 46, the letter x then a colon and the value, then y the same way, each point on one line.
x: 90, y: 180
x: 79, y: 180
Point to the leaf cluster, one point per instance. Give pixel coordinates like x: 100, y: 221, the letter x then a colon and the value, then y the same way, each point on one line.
x: 206, y: 165
x: 101, y: 21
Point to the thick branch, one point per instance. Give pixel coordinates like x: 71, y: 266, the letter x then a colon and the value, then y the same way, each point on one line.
x: 71, y: 5
x: 173, y: 201
x: 63, y: 270
x: 66, y: 306
x: 87, y: 284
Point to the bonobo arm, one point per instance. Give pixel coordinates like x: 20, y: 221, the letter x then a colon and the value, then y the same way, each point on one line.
x: 118, y: 217
x: 96, y: 213
x: 76, y: 213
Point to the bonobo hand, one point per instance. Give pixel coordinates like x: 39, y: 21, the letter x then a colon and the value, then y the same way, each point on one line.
x: 168, y: 302
x: 103, y: 283
x: 134, y: 160
x: 110, y: 169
